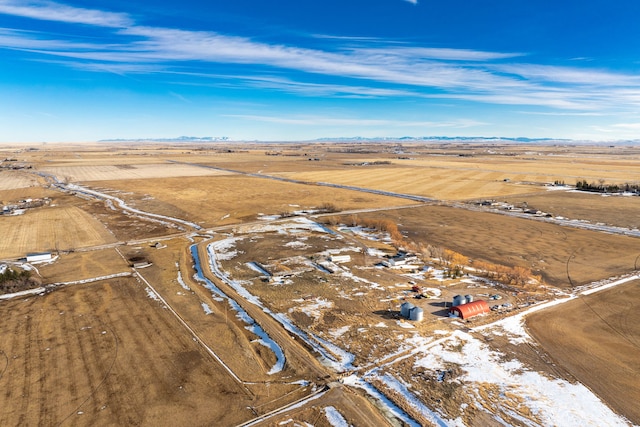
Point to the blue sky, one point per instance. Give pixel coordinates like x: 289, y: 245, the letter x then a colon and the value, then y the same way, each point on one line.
x: 297, y: 70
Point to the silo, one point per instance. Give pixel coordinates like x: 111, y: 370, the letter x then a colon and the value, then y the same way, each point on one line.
x: 416, y: 313
x: 405, y: 308
x: 469, y: 298
x: 459, y: 300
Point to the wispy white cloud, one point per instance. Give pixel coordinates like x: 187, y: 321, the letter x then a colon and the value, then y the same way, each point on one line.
x: 562, y: 113
x: 630, y: 126
x: 335, y: 121
x: 52, y: 11
x: 367, y: 68
x: 412, y: 1
x: 422, y: 53
x: 570, y: 75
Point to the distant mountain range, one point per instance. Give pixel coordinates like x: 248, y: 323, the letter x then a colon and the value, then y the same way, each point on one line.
x: 448, y: 139
x: 178, y: 139
x: 463, y: 139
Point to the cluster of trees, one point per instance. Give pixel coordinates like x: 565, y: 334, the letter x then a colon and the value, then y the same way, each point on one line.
x: 515, y: 276
x: 381, y: 224
x: 15, y: 281
x: 454, y: 263
x: 601, y: 187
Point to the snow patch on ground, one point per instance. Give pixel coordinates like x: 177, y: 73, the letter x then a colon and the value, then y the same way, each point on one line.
x: 553, y: 401
x: 206, y: 308
x: 388, y: 406
x: 182, y: 283
x: 314, y: 307
x: 398, y: 387
x: 337, y: 333
x: 334, y: 417
x: 296, y: 244
x: 224, y: 248
x: 405, y: 324
x: 151, y: 294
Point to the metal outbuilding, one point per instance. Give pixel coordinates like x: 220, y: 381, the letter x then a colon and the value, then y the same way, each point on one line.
x: 470, y: 309
x: 39, y: 256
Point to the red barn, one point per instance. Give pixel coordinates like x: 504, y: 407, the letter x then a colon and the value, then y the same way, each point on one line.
x: 470, y: 309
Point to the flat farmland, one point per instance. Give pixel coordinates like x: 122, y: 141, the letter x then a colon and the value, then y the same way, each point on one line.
x: 441, y: 184
x: 106, y: 354
x: 231, y: 199
x: 548, y: 249
x: 127, y: 171
x: 597, y: 338
x: 140, y: 350
x: 620, y: 211
x: 10, y: 180
x: 83, y: 265
x: 452, y: 178
x: 50, y: 228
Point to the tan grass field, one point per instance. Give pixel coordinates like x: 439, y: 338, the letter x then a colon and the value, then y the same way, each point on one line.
x: 469, y: 178
x: 128, y: 171
x: 83, y: 265
x: 436, y: 183
x: 230, y: 199
x: 10, y: 180
x: 597, y: 338
x: 50, y: 228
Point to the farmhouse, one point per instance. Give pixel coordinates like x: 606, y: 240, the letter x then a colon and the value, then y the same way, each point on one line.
x: 470, y: 309
x: 39, y: 256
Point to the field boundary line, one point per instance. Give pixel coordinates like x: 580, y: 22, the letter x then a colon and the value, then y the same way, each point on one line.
x: 194, y: 335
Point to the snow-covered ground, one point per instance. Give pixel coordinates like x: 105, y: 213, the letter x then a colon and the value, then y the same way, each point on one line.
x: 334, y: 417
x: 521, y: 390
x: 524, y: 395
x: 331, y: 354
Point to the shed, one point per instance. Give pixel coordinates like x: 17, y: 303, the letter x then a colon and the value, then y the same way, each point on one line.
x: 470, y: 309
x: 39, y: 256
x: 340, y: 258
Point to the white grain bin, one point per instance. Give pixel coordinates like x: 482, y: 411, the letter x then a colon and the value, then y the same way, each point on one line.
x: 459, y: 300
x: 405, y: 308
x: 469, y: 298
x: 416, y: 314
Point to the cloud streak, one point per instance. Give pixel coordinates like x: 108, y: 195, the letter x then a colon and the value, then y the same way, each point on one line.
x: 51, y: 11
x: 366, y: 68
x: 335, y: 121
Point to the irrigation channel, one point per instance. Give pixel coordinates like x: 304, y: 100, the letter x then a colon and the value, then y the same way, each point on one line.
x: 248, y: 307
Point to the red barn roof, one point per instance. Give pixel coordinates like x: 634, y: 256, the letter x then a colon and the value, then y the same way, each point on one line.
x: 470, y: 309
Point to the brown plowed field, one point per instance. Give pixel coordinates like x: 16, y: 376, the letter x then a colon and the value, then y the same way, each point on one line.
x: 106, y: 354
x: 597, y: 338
